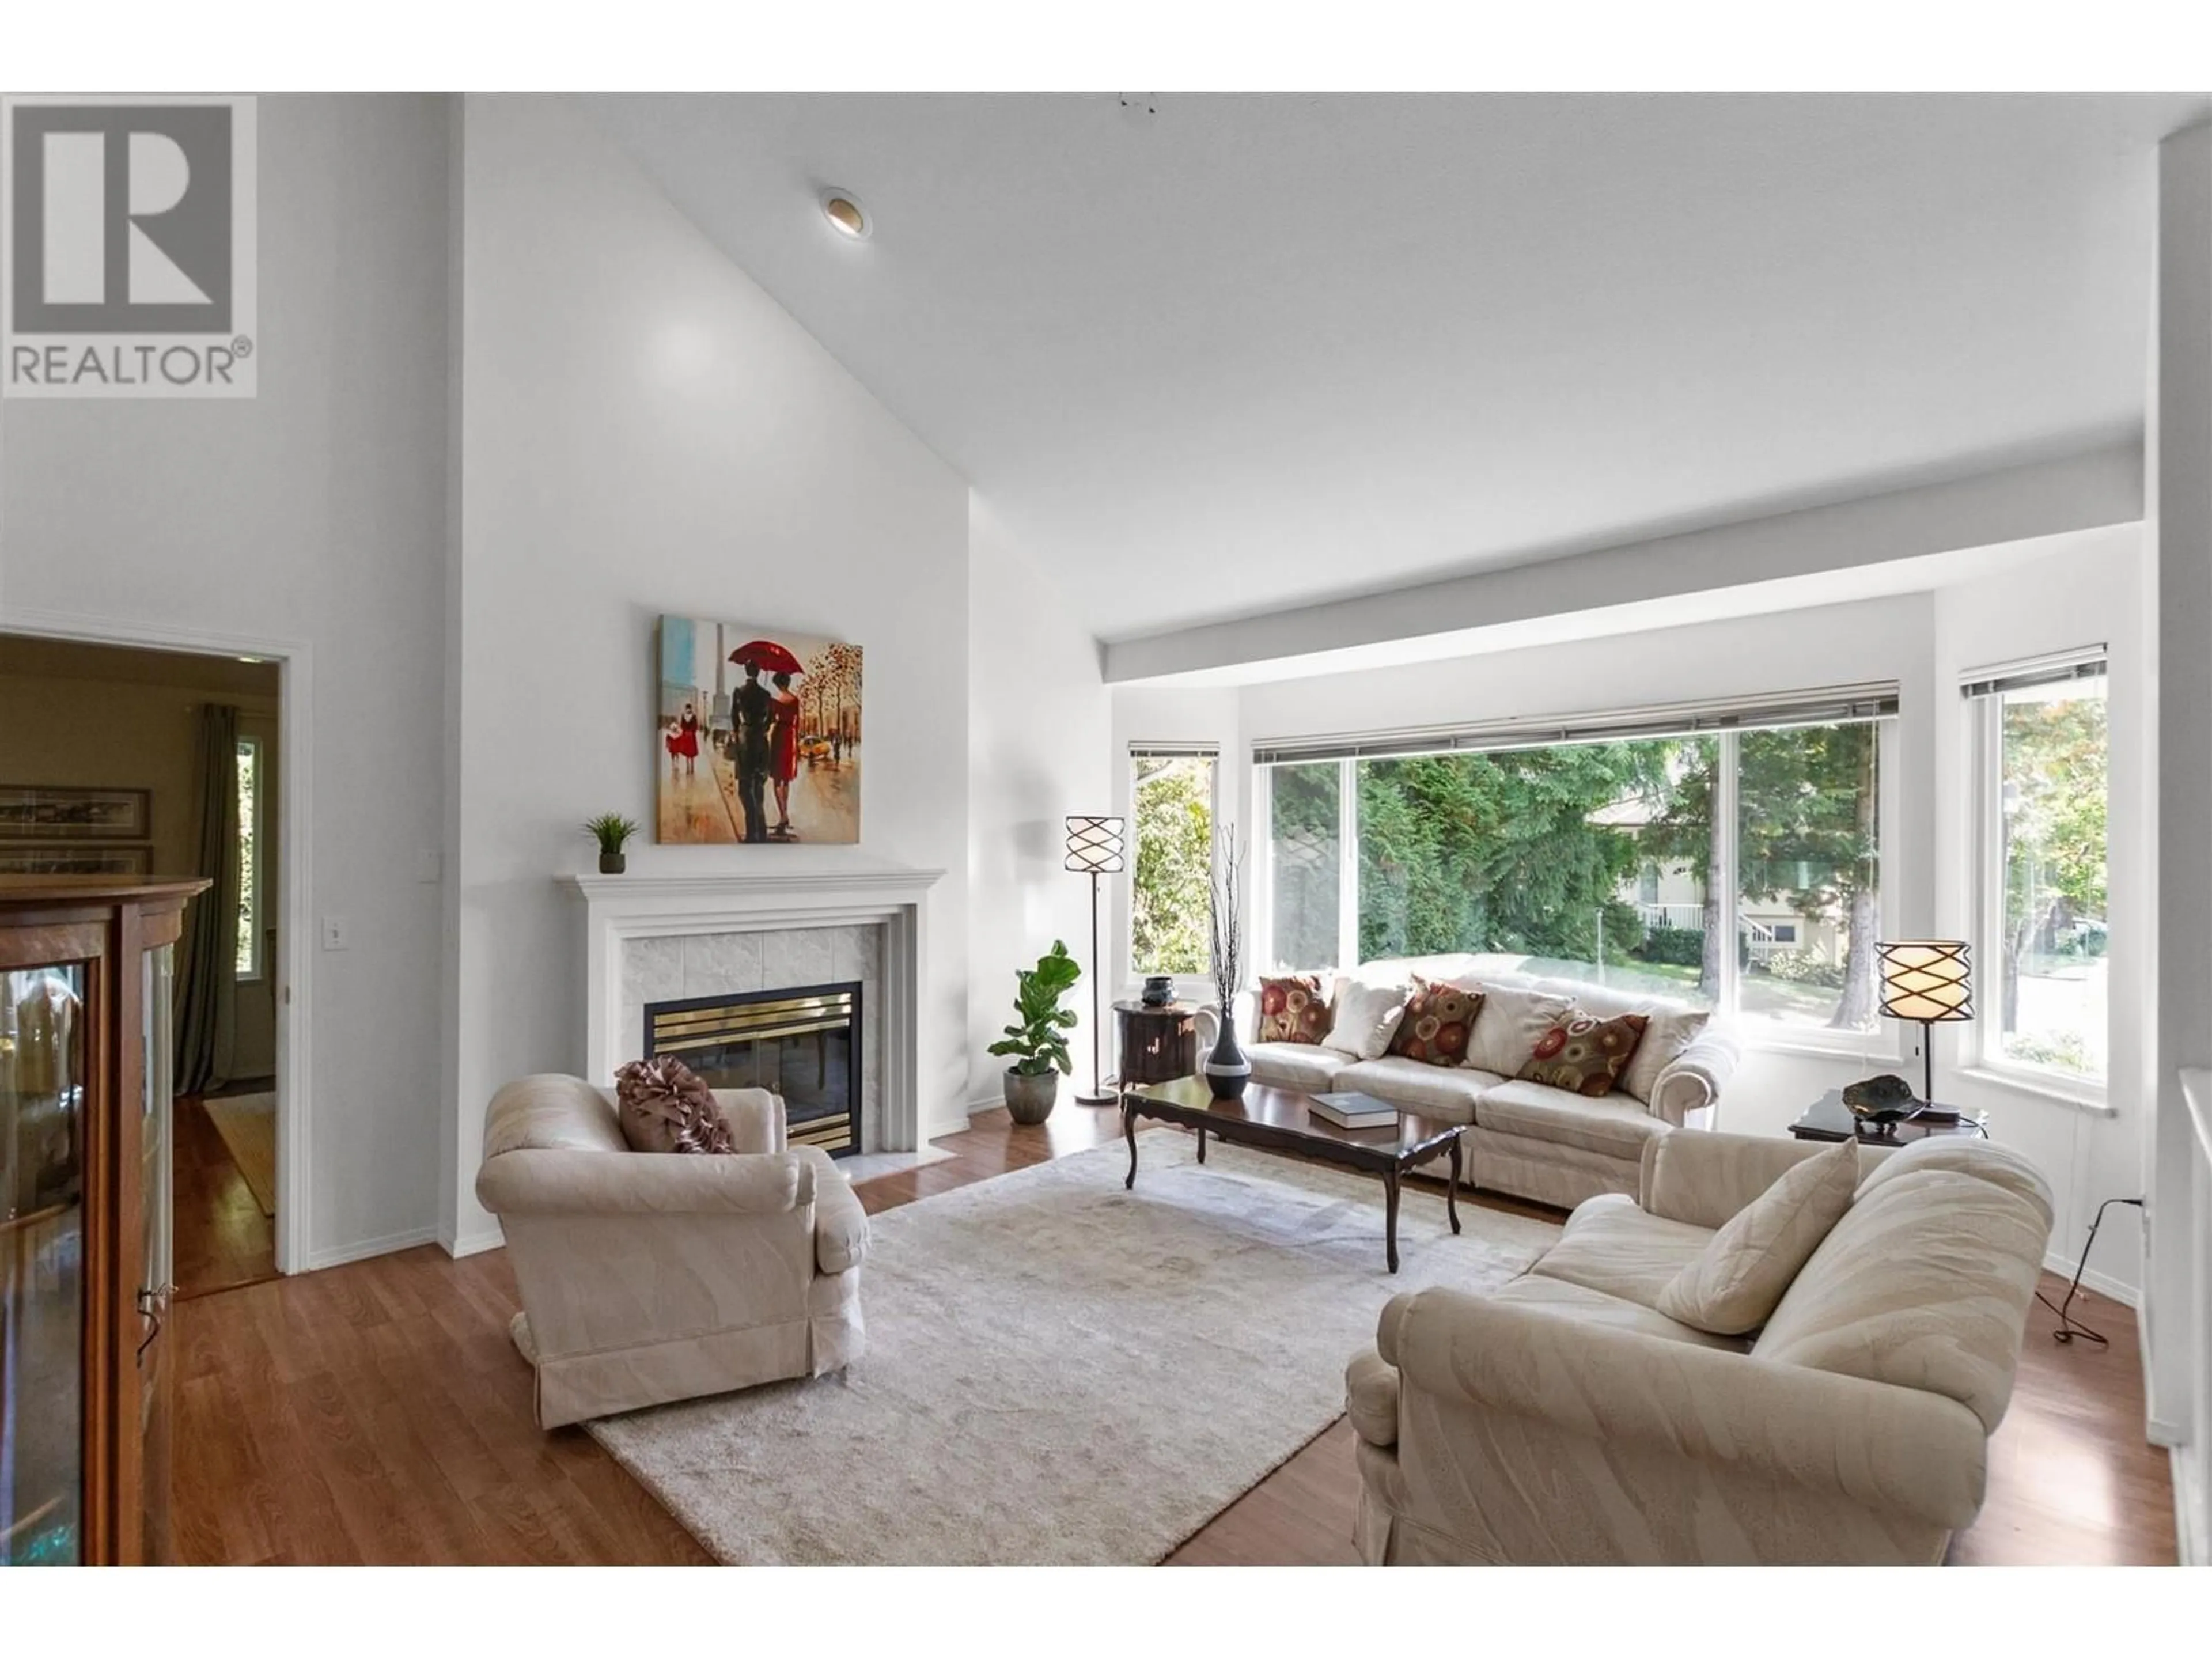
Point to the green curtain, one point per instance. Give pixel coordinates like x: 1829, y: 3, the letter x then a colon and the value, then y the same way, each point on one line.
x: 207, y: 960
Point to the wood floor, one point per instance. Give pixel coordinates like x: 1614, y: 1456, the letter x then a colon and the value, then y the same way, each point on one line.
x: 223, y: 1239
x: 377, y: 1412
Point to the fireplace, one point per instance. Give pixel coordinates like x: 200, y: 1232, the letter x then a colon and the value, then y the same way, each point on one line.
x: 802, y: 1043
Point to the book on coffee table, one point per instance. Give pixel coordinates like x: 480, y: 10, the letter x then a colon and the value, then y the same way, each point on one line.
x: 1354, y: 1110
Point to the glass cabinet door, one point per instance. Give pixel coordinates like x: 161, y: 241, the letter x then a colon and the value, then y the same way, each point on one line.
x: 157, y: 1154
x: 42, y: 1294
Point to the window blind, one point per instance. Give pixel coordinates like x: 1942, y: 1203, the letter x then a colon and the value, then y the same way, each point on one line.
x: 1175, y: 751
x: 2082, y: 662
x: 1826, y: 706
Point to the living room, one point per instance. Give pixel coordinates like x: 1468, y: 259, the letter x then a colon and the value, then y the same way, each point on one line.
x: 1752, y: 618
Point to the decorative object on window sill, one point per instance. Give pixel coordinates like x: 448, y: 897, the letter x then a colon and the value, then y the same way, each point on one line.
x: 1159, y: 990
x: 1094, y: 849
x: 1929, y: 980
x: 610, y: 830
x: 1227, y: 1069
x: 1037, y: 1042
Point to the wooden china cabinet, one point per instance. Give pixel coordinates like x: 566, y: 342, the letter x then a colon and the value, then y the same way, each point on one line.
x: 86, y: 971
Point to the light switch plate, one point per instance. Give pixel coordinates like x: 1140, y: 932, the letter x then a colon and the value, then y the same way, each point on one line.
x: 337, y: 933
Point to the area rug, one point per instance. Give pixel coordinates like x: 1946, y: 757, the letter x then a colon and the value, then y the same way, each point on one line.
x: 1058, y: 1372
x: 247, y: 1124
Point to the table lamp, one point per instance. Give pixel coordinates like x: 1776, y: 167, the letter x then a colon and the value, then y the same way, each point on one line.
x: 1094, y: 848
x: 1931, y: 980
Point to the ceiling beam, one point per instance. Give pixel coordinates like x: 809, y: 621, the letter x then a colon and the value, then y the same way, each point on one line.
x: 2087, y: 490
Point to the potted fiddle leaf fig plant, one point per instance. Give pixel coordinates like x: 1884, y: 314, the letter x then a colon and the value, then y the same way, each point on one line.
x: 1037, y: 1041
x: 610, y: 830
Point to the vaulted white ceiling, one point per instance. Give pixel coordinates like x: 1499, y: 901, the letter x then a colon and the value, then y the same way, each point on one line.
x: 1246, y: 351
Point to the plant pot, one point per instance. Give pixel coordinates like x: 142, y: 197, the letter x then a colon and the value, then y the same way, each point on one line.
x: 1226, y: 1069
x: 1030, y: 1099
x: 613, y: 864
x: 1159, y: 991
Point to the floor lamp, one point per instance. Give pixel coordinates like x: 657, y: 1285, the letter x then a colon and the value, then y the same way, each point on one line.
x: 1094, y: 849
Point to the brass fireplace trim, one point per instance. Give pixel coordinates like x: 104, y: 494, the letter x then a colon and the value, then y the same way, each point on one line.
x: 702, y: 1024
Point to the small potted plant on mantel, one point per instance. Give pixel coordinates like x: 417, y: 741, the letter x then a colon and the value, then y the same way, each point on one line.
x: 610, y: 830
x: 1037, y: 1042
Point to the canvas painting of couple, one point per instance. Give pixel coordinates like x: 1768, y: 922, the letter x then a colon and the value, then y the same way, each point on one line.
x: 757, y: 735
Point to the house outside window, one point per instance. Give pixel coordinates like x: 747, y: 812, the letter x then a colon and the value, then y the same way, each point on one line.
x: 1171, y: 880
x: 1633, y: 862
x: 2042, y: 957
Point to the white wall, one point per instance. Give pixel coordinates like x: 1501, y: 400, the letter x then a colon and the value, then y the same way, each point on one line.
x: 644, y: 431
x: 1920, y: 641
x: 1037, y: 736
x: 2177, y: 1312
x: 311, y: 513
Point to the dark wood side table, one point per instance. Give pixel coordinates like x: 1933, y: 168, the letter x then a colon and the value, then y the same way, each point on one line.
x: 1156, y: 1045
x: 1829, y: 1119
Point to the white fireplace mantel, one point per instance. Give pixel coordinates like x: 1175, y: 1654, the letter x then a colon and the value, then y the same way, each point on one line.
x: 654, y: 905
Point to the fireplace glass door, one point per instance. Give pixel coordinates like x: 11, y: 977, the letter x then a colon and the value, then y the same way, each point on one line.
x: 802, y: 1044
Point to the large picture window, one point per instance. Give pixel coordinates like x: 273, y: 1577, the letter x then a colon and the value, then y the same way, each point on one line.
x: 1733, y: 864
x: 1171, y: 887
x: 2041, y: 738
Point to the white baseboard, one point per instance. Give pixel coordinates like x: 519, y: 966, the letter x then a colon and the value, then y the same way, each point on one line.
x: 338, y: 1255
x: 2192, y: 1548
x: 2103, y: 1284
x: 474, y: 1243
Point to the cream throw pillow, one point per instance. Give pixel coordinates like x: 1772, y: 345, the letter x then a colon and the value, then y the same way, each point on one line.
x: 1509, y: 1026
x: 1367, y: 1016
x: 1735, y: 1285
x: 1671, y: 1030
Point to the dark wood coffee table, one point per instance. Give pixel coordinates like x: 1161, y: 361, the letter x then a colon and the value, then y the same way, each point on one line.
x: 1282, y: 1120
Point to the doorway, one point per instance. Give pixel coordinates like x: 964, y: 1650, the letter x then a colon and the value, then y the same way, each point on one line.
x: 185, y: 745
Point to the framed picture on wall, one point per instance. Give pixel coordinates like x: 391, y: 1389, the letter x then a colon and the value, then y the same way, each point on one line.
x: 44, y: 812
x: 755, y: 735
x: 43, y: 861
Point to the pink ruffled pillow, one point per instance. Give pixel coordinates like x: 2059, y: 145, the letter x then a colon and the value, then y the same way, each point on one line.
x: 666, y: 1107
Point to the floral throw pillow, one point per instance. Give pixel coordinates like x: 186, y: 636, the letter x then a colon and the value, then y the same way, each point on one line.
x: 666, y: 1107
x: 1439, y: 1018
x: 1292, y: 1009
x: 1584, y: 1053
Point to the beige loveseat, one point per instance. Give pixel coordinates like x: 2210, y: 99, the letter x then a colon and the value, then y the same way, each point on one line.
x: 1526, y: 1139
x: 647, y: 1277
x: 1564, y: 1420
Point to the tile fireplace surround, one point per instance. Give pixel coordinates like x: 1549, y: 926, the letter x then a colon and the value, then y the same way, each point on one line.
x: 651, y: 938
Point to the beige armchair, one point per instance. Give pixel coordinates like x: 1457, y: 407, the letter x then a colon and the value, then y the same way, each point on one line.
x: 1563, y: 1419
x: 648, y: 1277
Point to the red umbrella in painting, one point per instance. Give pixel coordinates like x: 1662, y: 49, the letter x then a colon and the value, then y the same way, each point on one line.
x: 766, y: 655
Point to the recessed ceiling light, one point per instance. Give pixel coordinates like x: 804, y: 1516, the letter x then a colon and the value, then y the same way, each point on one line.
x: 846, y: 216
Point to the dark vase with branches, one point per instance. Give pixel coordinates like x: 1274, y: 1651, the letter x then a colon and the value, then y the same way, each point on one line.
x: 1227, y: 1068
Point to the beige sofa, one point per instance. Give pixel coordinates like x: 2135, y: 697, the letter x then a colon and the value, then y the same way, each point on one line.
x: 1526, y: 1139
x: 647, y: 1277
x: 1564, y: 1420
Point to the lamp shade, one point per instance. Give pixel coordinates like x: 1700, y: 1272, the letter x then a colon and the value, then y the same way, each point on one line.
x: 1929, y: 980
x: 1094, y: 846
